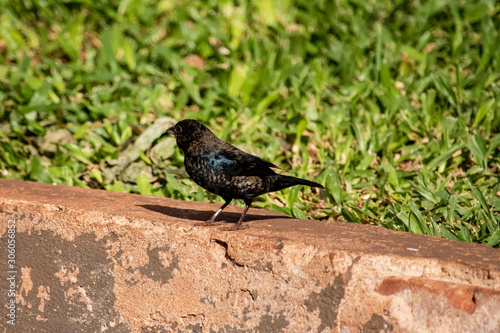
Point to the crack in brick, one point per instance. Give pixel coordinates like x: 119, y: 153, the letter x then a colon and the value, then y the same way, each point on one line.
x: 227, y: 256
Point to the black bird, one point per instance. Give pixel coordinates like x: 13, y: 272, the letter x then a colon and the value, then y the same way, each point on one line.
x: 225, y: 170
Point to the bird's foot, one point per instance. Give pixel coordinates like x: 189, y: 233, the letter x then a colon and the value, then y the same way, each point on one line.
x: 209, y: 223
x: 234, y: 227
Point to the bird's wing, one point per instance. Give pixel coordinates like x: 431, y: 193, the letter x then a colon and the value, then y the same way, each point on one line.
x: 239, y: 163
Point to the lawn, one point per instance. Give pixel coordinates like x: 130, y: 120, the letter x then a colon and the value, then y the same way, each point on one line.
x: 394, y: 106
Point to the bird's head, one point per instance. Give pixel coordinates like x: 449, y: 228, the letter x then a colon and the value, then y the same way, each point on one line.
x: 189, y: 131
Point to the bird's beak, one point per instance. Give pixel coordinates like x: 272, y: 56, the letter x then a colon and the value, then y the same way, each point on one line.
x: 171, y: 131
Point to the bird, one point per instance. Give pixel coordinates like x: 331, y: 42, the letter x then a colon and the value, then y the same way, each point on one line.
x: 225, y: 170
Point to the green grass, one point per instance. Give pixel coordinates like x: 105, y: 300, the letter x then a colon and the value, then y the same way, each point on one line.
x: 393, y: 106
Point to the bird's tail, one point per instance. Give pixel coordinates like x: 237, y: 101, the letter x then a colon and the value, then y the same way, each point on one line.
x: 282, y: 182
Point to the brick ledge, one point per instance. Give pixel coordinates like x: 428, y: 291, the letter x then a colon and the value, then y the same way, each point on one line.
x: 128, y: 263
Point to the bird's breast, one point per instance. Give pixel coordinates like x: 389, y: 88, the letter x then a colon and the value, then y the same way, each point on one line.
x: 207, y: 172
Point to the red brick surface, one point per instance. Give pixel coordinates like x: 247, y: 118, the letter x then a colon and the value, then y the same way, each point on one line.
x: 97, y: 261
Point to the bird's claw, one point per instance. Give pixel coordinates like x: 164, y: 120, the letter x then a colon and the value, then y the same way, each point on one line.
x: 234, y: 227
x: 209, y: 223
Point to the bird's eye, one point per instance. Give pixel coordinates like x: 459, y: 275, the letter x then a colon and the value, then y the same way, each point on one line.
x: 178, y: 130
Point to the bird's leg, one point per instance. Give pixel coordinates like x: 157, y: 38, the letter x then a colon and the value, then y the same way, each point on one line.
x: 239, y: 224
x: 211, y: 221
x: 240, y: 221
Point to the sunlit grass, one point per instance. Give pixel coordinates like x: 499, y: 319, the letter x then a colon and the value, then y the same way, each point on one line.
x: 394, y: 108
